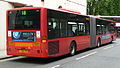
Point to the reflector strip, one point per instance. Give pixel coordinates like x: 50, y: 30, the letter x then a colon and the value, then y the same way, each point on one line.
x: 11, y: 43
x: 23, y: 44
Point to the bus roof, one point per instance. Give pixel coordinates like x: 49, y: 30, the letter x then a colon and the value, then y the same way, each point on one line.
x: 97, y: 17
x: 59, y: 9
x: 62, y: 10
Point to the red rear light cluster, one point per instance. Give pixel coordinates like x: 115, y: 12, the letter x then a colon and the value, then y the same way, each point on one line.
x: 44, y: 39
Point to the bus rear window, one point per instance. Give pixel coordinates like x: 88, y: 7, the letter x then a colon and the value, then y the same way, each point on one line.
x: 24, y: 19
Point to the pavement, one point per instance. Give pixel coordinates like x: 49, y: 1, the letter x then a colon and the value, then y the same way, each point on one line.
x: 3, y: 54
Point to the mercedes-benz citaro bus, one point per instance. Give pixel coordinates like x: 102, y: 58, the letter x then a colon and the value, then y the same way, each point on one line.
x: 42, y: 32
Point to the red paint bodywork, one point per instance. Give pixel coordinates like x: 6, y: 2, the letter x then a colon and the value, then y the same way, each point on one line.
x: 41, y: 51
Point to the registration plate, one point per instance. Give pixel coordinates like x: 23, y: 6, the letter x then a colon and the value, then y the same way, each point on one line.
x: 23, y: 51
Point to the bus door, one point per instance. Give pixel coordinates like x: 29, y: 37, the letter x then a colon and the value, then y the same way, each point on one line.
x: 84, y: 34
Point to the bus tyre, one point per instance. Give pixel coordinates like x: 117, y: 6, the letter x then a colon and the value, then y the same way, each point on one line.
x: 98, y: 43
x: 72, y: 48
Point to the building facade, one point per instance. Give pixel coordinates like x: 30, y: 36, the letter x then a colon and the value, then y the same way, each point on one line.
x: 5, y: 6
x: 74, y: 5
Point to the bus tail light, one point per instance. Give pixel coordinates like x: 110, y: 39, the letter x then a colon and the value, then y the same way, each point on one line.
x: 44, y: 39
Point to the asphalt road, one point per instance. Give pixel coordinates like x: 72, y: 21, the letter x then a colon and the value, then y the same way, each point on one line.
x: 107, y: 56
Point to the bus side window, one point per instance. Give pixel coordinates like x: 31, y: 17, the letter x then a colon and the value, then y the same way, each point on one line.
x: 81, y: 29
x: 53, y: 28
x: 63, y: 28
x: 50, y: 30
x: 71, y: 30
x: 70, y: 33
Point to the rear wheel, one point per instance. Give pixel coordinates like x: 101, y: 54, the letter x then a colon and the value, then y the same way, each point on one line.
x: 72, y: 48
x: 98, y: 43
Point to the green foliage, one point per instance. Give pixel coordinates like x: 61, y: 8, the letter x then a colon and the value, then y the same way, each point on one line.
x: 103, y: 7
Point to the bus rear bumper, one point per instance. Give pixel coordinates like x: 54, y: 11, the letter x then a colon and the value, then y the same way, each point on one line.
x: 33, y: 53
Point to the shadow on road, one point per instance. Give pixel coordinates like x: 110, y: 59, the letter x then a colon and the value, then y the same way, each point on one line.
x: 39, y: 60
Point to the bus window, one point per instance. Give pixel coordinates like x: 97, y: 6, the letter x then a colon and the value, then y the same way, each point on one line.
x: 63, y: 24
x: 53, y: 28
x: 111, y: 28
x: 72, y: 26
x: 63, y: 28
x: 79, y: 25
x: 57, y: 24
x: 101, y: 27
x: 24, y: 19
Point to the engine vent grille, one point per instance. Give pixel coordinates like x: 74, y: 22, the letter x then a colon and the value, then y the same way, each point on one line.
x: 53, y: 47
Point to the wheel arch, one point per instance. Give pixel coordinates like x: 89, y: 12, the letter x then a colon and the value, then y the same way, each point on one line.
x: 99, y: 39
x: 73, y: 41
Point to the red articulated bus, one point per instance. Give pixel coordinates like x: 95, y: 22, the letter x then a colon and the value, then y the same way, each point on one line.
x: 114, y: 18
x: 105, y: 31
x: 42, y: 32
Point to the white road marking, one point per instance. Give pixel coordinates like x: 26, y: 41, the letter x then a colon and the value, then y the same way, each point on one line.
x: 86, y: 55
x: 108, y: 47
x: 11, y: 59
x: 55, y: 66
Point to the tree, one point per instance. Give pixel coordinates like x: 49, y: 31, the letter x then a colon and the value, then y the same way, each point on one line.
x: 103, y: 7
